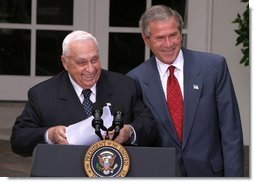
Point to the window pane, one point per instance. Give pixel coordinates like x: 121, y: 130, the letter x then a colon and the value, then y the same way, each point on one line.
x: 58, y: 12
x: 49, y: 51
x: 15, y: 52
x: 126, y: 51
x: 15, y: 11
x: 179, y: 5
x: 125, y: 14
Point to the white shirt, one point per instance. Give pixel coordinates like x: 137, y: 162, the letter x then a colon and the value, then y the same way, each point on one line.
x: 79, y: 90
x: 164, y: 72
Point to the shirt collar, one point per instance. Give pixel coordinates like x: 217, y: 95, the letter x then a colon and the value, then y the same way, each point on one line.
x: 79, y: 89
x: 178, y: 63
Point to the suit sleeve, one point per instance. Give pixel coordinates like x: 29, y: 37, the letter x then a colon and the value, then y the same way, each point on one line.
x: 143, y: 122
x: 27, y: 131
x: 230, y: 123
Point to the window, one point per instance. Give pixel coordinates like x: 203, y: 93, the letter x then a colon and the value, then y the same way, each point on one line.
x: 15, y: 47
x: 31, y: 35
x: 126, y: 47
x: 32, y: 31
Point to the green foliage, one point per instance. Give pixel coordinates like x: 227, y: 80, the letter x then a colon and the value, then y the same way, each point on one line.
x: 243, y: 33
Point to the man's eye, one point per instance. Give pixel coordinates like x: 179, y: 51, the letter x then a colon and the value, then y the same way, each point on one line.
x: 81, y: 62
x: 94, y: 60
x: 159, y: 38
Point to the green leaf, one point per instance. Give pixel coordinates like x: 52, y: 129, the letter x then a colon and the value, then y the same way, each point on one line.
x: 242, y: 31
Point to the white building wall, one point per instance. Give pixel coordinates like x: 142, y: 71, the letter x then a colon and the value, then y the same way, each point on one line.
x: 223, y: 42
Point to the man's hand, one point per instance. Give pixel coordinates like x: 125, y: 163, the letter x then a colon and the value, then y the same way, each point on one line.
x: 123, y: 136
x: 57, y: 135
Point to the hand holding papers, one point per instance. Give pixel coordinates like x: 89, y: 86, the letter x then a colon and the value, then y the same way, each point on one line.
x: 82, y: 133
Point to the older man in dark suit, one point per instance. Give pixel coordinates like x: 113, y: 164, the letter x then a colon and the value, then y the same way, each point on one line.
x: 56, y: 103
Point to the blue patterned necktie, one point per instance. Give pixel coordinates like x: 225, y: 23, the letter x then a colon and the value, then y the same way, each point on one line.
x: 87, y: 103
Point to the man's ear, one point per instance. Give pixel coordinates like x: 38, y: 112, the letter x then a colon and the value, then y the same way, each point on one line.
x: 63, y: 59
x: 146, y: 39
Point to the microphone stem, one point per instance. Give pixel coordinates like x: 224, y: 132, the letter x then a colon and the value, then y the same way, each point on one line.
x: 115, y: 135
x: 107, y: 136
x: 99, y: 134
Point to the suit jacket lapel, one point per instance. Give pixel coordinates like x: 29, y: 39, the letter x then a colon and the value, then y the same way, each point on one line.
x: 72, y: 106
x: 153, y: 93
x: 104, y: 92
x: 192, y: 89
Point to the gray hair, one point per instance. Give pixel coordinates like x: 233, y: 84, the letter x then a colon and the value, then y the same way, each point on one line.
x: 74, y: 36
x: 158, y: 13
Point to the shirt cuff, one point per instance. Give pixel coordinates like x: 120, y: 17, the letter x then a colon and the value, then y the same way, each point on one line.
x: 133, y: 137
x: 47, y: 140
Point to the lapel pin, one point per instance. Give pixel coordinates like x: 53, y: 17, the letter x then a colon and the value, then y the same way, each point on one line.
x: 195, y: 87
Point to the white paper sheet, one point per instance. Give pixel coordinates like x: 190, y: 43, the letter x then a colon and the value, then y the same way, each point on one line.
x: 82, y: 133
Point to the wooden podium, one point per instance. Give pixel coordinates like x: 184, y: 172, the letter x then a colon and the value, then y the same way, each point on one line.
x: 68, y: 161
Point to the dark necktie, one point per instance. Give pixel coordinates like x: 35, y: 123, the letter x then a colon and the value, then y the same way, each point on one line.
x: 175, y: 102
x: 87, y: 103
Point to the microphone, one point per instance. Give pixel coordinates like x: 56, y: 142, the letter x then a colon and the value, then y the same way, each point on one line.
x: 117, y: 122
x: 97, y: 122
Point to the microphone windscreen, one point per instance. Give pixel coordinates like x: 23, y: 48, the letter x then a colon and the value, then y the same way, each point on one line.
x: 118, y: 108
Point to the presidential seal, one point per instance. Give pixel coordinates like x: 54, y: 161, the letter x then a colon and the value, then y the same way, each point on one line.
x: 106, y: 158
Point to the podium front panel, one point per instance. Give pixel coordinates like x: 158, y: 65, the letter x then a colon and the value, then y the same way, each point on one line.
x: 68, y: 161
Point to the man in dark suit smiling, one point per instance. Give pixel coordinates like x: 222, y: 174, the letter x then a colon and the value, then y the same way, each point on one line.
x: 56, y: 103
